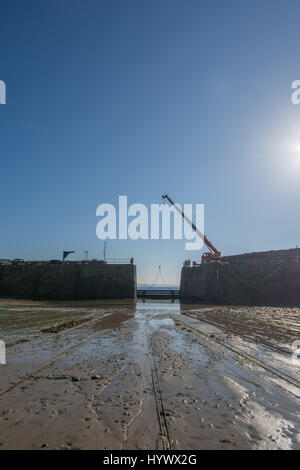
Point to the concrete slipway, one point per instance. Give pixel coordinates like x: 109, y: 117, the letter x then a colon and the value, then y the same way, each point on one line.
x: 85, y: 375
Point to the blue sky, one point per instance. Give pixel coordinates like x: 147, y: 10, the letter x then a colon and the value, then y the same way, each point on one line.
x: 190, y: 98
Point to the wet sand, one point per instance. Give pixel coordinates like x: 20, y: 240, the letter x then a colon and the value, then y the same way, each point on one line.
x: 151, y: 376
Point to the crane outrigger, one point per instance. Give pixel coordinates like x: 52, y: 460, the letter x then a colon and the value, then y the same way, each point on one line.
x: 213, y: 254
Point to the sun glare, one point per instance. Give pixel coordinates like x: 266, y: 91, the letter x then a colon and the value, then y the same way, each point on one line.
x: 294, y: 152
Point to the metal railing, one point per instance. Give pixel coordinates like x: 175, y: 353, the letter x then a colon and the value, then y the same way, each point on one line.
x: 117, y: 260
x: 89, y: 261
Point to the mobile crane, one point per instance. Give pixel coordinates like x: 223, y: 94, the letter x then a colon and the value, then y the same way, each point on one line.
x: 213, y: 254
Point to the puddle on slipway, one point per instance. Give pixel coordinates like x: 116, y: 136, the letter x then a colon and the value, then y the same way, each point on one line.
x: 157, y: 315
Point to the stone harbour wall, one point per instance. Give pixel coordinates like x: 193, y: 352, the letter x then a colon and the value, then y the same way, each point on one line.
x: 68, y: 281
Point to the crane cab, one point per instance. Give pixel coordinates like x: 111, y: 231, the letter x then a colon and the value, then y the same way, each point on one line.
x: 207, y: 257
